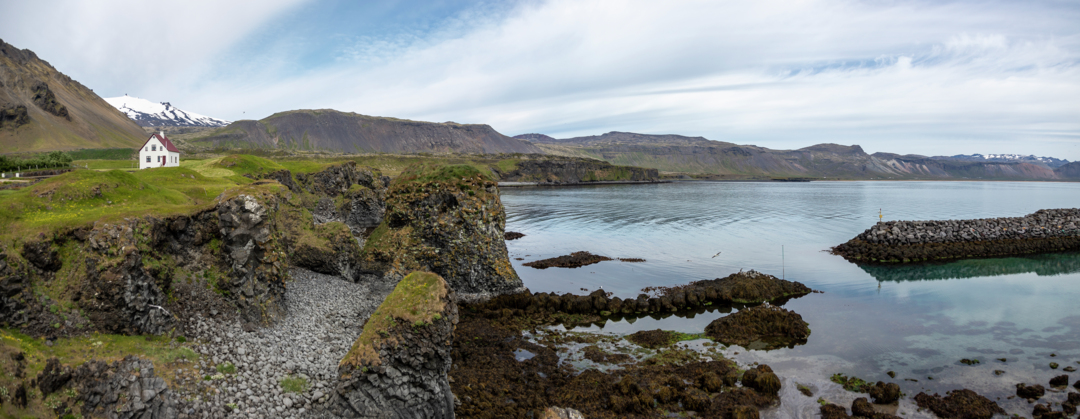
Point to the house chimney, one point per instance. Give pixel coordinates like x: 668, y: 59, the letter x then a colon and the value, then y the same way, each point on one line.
x: 162, y: 134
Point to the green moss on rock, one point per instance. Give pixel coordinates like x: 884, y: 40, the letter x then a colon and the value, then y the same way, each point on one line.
x: 416, y: 301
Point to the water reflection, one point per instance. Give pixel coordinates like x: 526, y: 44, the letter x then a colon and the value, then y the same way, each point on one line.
x: 1042, y: 265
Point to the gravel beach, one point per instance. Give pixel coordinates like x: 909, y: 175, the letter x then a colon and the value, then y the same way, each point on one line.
x: 325, y: 315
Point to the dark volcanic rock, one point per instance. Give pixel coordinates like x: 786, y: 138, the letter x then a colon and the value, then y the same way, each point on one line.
x: 1059, y: 381
x: 512, y: 235
x: 122, y: 297
x: 14, y: 290
x: 573, y: 260
x: 398, y: 366
x: 1030, y: 392
x: 53, y: 377
x: 959, y: 404
x: 772, y: 325
x: 126, y: 389
x: 42, y: 255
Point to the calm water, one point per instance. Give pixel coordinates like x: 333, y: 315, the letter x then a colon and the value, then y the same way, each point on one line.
x: 918, y: 321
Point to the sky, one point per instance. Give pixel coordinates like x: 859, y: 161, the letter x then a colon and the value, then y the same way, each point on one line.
x: 910, y: 77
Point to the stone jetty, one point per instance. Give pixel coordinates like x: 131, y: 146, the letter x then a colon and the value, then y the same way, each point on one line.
x: 912, y: 241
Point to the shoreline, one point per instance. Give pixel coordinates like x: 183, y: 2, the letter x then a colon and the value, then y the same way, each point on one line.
x: 602, y: 182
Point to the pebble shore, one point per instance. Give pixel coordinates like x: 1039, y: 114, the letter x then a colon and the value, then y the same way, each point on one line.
x: 325, y: 315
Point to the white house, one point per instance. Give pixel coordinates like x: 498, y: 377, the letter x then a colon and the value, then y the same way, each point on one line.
x: 158, y: 152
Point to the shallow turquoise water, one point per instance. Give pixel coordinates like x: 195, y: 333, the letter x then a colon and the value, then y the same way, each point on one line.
x: 918, y: 321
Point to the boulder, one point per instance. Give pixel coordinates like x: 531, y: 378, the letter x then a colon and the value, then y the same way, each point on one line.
x: 53, y: 377
x: 398, y: 366
x: 883, y: 393
x: 1030, y: 392
x: 763, y: 379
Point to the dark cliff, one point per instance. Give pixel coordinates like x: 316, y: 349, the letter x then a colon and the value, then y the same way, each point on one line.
x: 445, y: 219
x: 332, y: 130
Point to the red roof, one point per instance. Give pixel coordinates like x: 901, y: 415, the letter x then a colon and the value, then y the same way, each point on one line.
x: 164, y: 140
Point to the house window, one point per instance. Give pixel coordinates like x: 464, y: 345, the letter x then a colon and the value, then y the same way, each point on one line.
x: 153, y: 148
x: 148, y: 159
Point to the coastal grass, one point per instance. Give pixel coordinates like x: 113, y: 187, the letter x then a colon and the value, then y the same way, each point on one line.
x: 417, y: 300
x: 294, y: 384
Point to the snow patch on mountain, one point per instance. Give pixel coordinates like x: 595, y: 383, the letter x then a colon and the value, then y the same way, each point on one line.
x: 162, y: 114
x: 1050, y: 162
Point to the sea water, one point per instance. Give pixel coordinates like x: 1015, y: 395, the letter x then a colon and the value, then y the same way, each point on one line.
x: 918, y: 321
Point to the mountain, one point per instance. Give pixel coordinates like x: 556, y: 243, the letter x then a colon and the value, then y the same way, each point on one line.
x: 675, y: 153
x: 1069, y: 171
x: 41, y: 109
x: 331, y: 130
x: 1050, y: 162
x: 163, y: 114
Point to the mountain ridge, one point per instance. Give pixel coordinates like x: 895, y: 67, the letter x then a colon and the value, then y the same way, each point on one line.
x: 161, y: 114
x: 681, y: 154
x: 42, y: 109
x: 332, y: 130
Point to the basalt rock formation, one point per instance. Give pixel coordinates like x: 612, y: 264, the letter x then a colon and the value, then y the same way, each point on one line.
x: 447, y: 220
x: 911, y: 241
x: 398, y: 366
x: 573, y: 260
x: 770, y: 325
x: 123, y: 389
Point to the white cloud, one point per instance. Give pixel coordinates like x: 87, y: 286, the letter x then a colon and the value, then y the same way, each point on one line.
x: 910, y: 77
x: 112, y: 45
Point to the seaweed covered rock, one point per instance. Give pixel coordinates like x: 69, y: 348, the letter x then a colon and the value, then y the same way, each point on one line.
x: 742, y: 287
x: 959, y: 404
x: 445, y: 219
x: 398, y: 366
x: 573, y: 260
x: 1030, y: 392
x: 770, y: 325
x: 885, y: 393
x: 763, y: 379
x: 752, y: 287
x: 123, y: 389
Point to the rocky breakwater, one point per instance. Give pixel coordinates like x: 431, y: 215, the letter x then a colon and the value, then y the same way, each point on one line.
x: 445, y: 219
x: 398, y: 366
x: 573, y: 171
x: 750, y: 287
x: 912, y: 241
